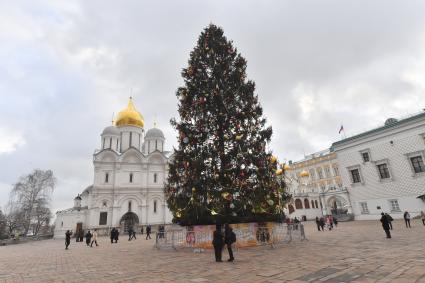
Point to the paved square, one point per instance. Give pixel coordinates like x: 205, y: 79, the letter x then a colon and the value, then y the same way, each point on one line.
x: 354, y: 252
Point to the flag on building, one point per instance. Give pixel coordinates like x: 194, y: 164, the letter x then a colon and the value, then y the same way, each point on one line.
x: 342, y: 129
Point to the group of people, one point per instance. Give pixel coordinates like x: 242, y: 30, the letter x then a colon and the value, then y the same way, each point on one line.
x: 387, y: 220
x: 220, y: 240
x: 91, y: 238
x: 329, y: 221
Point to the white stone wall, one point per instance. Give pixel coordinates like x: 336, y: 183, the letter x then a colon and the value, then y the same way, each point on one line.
x: 391, y: 146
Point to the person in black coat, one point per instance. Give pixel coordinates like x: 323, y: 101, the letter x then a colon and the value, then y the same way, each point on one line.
x: 117, y: 234
x: 390, y: 220
x: 218, y: 243
x: 385, y: 225
x: 148, y: 232
x: 88, y: 238
x: 229, y: 239
x: 318, y: 223
x: 67, y: 239
x: 113, y: 231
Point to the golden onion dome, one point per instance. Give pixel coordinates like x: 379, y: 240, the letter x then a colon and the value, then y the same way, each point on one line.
x: 130, y: 116
x: 304, y: 173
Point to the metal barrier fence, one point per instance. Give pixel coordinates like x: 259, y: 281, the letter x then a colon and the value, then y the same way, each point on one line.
x: 262, y: 236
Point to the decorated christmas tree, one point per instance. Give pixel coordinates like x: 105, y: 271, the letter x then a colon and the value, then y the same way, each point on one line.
x: 221, y: 170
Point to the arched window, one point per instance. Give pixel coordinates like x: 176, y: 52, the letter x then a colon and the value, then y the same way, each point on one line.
x: 156, y: 145
x: 316, y: 204
x: 291, y: 208
x: 106, y: 177
x: 155, y: 177
x: 298, y: 204
x: 110, y: 142
x: 131, y: 177
x: 306, y: 204
x: 104, y: 143
x: 154, y: 206
x: 312, y: 204
x: 129, y: 206
x: 62, y: 224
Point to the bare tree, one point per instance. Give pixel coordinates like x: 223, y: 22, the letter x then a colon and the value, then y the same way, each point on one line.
x: 13, y: 217
x: 2, y: 225
x: 32, y: 195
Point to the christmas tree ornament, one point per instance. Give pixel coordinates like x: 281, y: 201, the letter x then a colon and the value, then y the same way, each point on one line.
x: 213, y: 212
x: 232, y: 206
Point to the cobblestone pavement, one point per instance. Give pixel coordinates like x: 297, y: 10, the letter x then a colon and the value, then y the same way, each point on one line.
x: 354, y: 252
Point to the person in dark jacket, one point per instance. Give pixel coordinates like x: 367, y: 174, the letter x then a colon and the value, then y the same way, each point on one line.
x: 385, y: 225
x: 148, y: 232
x: 390, y: 220
x: 318, y: 223
x: 67, y: 239
x: 322, y: 223
x: 113, y: 231
x: 88, y: 238
x: 229, y: 239
x: 117, y: 234
x: 218, y: 243
x: 406, y: 217
x: 335, y: 221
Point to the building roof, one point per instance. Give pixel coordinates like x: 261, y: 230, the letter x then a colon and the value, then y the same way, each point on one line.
x: 389, y: 123
x: 155, y: 133
x: 111, y: 130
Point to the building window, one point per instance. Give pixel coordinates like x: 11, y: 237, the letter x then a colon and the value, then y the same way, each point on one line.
x: 394, y: 205
x: 131, y: 177
x: 316, y: 204
x: 363, y: 207
x: 103, y: 218
x: 110, y: 142
x: 117, y: 144
x: 365, y: 156
x: 306, y: 204
x: 156, y: 145
x: 336, y: 171
x: 320, y: 173
x: 312, y: 204
x: 154, y: 206
x: 355, y: 175
x: 129, y: 206
x: 384, y: 173
x: 130, y: 141
x: 106, y: 177
x: 62, y: 224
x: 328, y: 172
x: 312, y: 175
x: 418, y: 164
x: 155, y: 177
x: 298, y: 204
x: 104, y: 144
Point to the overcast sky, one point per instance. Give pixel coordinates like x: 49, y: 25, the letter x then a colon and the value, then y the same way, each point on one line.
x: 67, y: 66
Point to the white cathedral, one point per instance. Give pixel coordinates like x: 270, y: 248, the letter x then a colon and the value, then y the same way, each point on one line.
x: 130, y: 171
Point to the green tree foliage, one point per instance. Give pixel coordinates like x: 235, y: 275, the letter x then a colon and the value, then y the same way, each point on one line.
x: 221, y: 170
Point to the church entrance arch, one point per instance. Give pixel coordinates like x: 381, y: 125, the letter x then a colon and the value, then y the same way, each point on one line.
x: 338, y: 205
x: 129, y: 220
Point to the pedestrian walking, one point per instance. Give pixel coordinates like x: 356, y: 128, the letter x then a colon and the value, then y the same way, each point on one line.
x: 148, y: 232
x: 390, y: 220
x: 335, y: 221
x: 406, y: 217
x: 113, y: 231
x: 423, y: 217
x: 130, y: 233
x: 385, y: 225
x: 218, y: 243
x: 67, y: 239
x: 88, y: 238
x: 81, y: 235
x: 94, y: 238
x: 117, y: 234
x: 322, y: 223
x: 133, y: 236
x: 318, y: 223
x: 229, y: 239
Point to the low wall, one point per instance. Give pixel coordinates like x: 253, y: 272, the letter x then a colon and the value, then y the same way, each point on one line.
x: 247, y: 235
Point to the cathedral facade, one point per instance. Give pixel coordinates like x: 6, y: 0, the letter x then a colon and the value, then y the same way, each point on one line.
x: 130, y: 170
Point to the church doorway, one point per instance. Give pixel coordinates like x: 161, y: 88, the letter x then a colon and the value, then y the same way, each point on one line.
x: 129, y: 220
